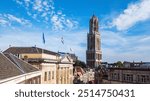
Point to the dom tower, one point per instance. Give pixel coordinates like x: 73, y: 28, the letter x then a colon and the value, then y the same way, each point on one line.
x: 93, y: 53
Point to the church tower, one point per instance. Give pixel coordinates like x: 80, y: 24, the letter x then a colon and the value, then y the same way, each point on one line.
x: 93, y: 53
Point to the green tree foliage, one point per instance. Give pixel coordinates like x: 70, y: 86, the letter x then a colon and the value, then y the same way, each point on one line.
x: 80, y: 63
x: 119, y: 64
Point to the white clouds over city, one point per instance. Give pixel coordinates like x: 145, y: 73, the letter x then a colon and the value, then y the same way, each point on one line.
x: 44, y: 11
x: 135, y: 13
x: 9, y: 20
x: 120, y: 41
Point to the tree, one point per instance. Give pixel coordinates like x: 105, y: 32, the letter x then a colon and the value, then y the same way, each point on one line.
x: 80, y: 63
x: 119, y: 64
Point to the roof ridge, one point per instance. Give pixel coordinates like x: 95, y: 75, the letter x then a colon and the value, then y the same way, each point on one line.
x: 12, y: 62
x: 34, y: 47
x: 12, y: 57
x: 25, y: 62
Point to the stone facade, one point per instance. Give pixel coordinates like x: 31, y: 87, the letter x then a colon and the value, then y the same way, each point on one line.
x: 65, y: 70
x: 93, y: 53
x: 53, y: 66
x: 128, y: 75
x: 46, y: 63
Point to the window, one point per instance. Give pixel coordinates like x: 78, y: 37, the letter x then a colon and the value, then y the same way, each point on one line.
x: 52, y: 74
x: 128, y: 77
x: 115, y: 76
x: 118, y: 76
x: 45, y: 76
x: 30, y: 81
x: 70, y: 71
x: 49, y: 75
x: 34, y: 81
x: 123, y: 77
x: 138, y: 78
x: 147, y: 78
x: 38, y: 80
x: 98, y: 42
x: 143, y: 79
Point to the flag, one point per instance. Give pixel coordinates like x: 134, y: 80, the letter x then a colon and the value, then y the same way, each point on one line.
x: 43, y: 39
x: 62, y: 40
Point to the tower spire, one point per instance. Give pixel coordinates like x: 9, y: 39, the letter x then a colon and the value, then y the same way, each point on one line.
x: 93, y: 24
x: 93, y: 13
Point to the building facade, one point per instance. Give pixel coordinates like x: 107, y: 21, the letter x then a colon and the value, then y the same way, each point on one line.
x: 134, y: 75
x: 47, y: 61
x: 64, y: 72
x: 93, y: 53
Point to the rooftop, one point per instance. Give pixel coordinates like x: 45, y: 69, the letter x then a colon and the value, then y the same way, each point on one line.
x: 11, y: 66
x: 20, y: 50
x: 131, y: 68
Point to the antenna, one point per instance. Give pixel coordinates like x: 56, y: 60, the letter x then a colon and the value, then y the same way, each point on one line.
x: 93, y: 13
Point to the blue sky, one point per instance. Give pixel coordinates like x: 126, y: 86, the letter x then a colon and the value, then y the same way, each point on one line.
x: 124, y: 26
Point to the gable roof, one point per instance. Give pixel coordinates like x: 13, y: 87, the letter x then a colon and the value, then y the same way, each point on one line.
x: 66, y: 59
x: 72, y: 56
x: 11, y: 66
x: 21, y: 50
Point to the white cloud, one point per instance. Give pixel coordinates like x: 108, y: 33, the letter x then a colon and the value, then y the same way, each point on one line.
x: 44, y: 15
x: 57, y: 23
x: 16, y: 19
x: 8, y: 20
x: 61, y: 23
x: 19, y: 2
x: 146, y: 38
x: 3, y: 22
x: 137, y: 12
x: 116, y: 46
x: 44, y: 11
x: 112, y: 39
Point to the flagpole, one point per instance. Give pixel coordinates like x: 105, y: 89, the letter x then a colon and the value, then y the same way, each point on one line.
x: 43, y: 37
x: 62, y: 41
x: 68, y: 47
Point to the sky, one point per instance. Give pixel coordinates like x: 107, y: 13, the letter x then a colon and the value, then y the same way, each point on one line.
x: 124, y: 26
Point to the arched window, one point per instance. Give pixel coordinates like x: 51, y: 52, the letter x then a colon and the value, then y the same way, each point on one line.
x: 95, y: 25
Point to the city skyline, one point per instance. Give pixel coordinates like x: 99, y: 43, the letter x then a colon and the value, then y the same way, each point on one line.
x: 124, y: 26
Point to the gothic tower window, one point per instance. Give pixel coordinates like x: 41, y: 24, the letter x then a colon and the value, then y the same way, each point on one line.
x: 95, y: 29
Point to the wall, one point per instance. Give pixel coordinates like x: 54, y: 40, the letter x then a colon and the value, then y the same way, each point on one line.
x: 24, y: 79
